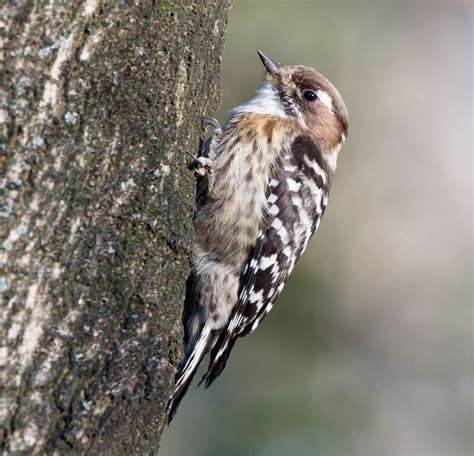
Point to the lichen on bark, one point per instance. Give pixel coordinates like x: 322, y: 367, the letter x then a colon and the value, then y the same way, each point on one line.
x: 99, y: 103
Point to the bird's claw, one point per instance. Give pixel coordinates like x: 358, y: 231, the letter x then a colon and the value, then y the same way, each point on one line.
x: 202, y: 166
x: 214, y: 123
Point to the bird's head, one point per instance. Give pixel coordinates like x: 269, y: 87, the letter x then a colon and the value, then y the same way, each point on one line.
x: 300, y: 92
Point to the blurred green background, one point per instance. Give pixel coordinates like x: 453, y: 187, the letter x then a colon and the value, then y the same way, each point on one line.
x: 369, y: 350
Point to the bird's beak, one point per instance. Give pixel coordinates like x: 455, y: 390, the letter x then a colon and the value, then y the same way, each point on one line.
x: 271, y: 66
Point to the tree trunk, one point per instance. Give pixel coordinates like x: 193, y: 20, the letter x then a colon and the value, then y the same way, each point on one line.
x: 100, y: 102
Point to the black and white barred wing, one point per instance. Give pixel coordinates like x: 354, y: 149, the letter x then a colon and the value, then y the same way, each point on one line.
x: 297, y: 197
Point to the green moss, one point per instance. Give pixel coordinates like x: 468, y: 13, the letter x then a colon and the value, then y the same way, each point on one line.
x: 163, y: 8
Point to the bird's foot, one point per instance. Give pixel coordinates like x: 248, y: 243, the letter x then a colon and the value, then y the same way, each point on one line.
x: 201, y: 166
x: 213, y: 123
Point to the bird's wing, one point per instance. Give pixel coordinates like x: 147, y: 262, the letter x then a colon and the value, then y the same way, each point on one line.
x: 297, y: 197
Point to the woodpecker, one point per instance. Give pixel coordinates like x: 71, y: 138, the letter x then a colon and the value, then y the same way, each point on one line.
x: 263, y: 186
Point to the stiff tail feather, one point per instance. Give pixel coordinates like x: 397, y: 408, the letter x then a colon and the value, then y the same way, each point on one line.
x: 217, y: 364
x: 187, y: 370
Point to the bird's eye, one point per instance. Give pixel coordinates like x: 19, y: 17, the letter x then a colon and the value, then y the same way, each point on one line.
x: 310, y: 95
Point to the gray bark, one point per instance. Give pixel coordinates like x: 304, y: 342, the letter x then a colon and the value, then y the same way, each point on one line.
x: 99, y: 102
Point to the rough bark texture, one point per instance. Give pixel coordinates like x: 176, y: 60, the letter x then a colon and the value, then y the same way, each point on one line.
x: 99, y: 103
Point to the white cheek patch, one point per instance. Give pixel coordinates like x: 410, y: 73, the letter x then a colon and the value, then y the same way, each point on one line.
x: 325, y: 99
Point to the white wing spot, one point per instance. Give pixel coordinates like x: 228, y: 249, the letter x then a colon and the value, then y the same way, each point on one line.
x: 272, y: 198
x: 277, y: 224
x: 317, y: 169
x: 316, y: 193
x: 283, y: 233
x: 268, y: 308
x: 325, y: 200
x: 293, y: 186
x: 266, y: 262
x: 273, y: 183
x: 275, y: 272
x: 255, y: 297
x: 274, y: 210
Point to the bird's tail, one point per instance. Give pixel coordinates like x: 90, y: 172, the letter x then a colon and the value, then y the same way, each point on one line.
x: 219, y: 356
x: 188, y: 368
